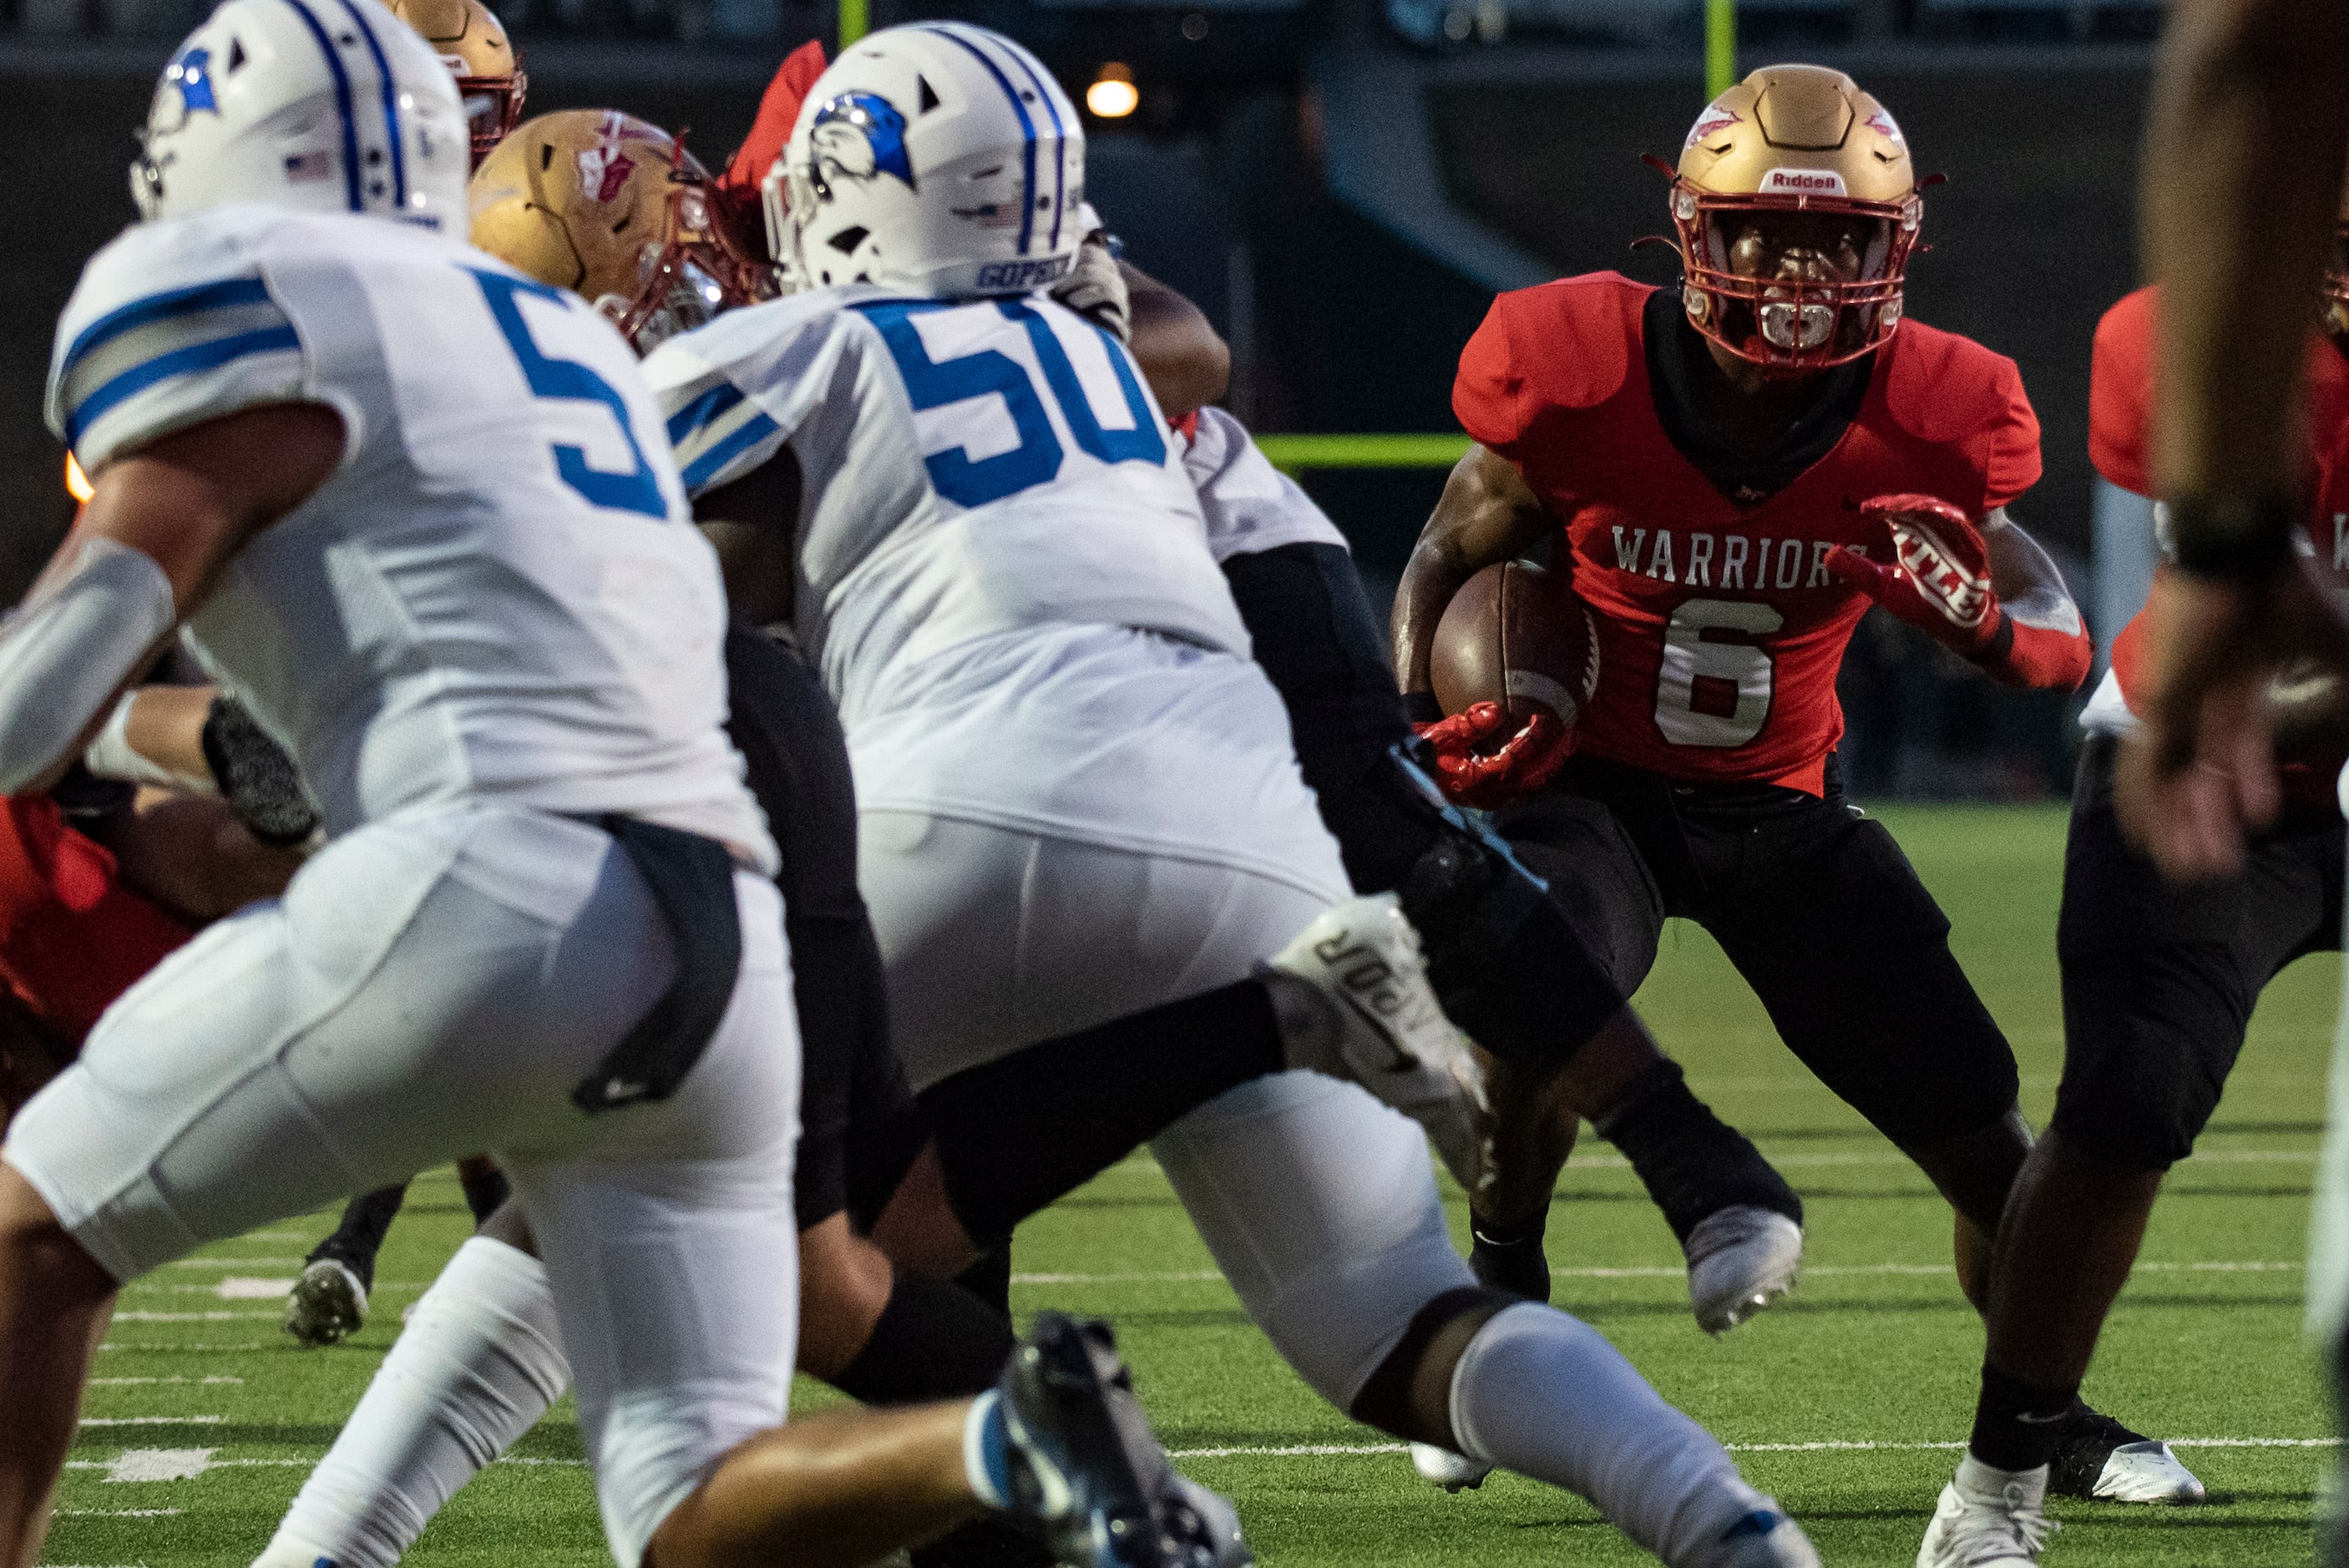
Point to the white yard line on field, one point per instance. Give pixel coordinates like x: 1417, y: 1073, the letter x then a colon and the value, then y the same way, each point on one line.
x: 132, y: 1382
x: 153, y: 1420
x: 1817, y: 1158
x: 1670, y: 1271
x: 1830, y: 1444
x: 237, y: 1263
x: 118, y: 1512
x: 187, y: 1464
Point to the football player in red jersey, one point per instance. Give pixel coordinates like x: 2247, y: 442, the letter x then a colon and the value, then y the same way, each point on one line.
x: 2159, y: 977
x: 1735, y: 470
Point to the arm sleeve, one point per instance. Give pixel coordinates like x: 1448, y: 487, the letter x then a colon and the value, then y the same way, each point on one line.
x: 2039, y: 658
x: 1317, y: 641
x: 160, y: 336
x: 2010, y: 458
x: 1487, y: 395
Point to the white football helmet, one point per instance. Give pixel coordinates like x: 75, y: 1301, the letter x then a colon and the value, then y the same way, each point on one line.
x: 936, y: 159
x: 329, y: 105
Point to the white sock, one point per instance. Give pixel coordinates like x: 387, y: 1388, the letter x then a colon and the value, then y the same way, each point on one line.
x: 1545, y: 1395
x: 476, y: 1365
x: 1979, y: 1482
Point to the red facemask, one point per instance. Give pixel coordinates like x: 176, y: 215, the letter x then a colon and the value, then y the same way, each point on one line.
x: 1788, y: 326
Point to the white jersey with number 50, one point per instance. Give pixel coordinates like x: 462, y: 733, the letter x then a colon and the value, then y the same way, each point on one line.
x: 499, y: 593
x: 1004, y: 573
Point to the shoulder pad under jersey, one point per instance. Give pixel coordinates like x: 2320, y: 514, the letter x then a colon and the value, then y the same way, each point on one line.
x: 733, y: 391
x: 1577, y: 335
x: 2120, y: 393
x: 172, y: 323
x: 1942, y: 388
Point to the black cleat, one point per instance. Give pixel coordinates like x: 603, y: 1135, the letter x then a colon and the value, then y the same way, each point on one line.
x: 1087, y: 1470
x: 2097, y: 1457
x: 328, y: 1303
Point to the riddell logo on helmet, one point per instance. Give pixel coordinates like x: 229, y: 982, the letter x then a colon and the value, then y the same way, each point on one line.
x: 1802, y: 182
x: 1022, y: 275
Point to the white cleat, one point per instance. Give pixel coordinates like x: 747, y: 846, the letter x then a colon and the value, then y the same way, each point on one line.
x: 2145, y: 1472
x: 1453, y: 1472
x: 1740, y: 1260
x: 1354, y: 1001
x: 1762, y: 1537
x: 1988, y: 1519
x: 327, y: 1306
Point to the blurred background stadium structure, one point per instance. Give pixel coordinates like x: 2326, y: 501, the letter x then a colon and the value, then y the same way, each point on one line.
x: 1342, y: 185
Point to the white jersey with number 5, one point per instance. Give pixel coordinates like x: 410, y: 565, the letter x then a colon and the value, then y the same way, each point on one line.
x: 499, y: 594
x: 1004, y: 573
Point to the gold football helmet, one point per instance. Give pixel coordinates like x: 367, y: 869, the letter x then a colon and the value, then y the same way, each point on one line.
x: 478, y: 53
x: 616, y: 211
x: 1796, y: 209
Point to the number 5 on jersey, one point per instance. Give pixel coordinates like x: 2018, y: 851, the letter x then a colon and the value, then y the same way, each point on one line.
x: 637, y: 490
x: 997, y: 388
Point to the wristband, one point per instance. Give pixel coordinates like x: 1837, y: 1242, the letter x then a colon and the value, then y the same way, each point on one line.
x: 1420, y: 707
x: 2000, y: 647
x: 2231, y: 538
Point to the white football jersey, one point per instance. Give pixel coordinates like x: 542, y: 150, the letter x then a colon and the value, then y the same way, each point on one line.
x: 499, y: 593
x: 968, y: 469
x: 1250, y: 505
x: 1004, y: 573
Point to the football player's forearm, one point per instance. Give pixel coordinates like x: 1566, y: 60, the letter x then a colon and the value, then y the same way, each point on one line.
x: 2242, y: 182
x: 1185, y: 361
x: 2043, y: 644
x: 165, y: 725
x: 1487, y: 513
x: 1429, y: 581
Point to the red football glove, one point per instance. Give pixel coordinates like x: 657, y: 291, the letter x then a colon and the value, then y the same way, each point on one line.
x: 1934, y: 574
x: 1927, y: 564
x: 1484, y: 780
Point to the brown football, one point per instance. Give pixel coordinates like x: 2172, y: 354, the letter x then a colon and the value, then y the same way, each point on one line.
x: 1515, y: 634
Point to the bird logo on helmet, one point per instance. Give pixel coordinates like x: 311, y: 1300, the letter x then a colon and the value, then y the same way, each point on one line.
x: 857, y: 136
x: 319, y: 105
x: 1792, y: 144
x: 616, y: 211
x: 937, y: 159
x: 479, y: 53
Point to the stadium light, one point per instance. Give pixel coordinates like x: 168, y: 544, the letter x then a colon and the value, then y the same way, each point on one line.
x: 1113, y: 95
x: 76, y: 483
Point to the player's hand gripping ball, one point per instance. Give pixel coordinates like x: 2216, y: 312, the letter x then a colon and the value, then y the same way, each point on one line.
x: 1515, y: 658
x: 1926, y: 564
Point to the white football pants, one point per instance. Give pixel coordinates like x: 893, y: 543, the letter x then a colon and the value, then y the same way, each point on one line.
x: 1318, y: 1202
x: 434, y: 986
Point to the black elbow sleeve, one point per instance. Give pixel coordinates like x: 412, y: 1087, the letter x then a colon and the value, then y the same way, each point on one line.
x: 1317, y: 640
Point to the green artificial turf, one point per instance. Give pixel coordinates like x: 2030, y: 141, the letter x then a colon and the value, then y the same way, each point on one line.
x: 1877, y: 1348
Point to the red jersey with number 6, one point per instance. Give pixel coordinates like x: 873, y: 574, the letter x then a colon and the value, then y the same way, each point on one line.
x: 1721, y: 629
